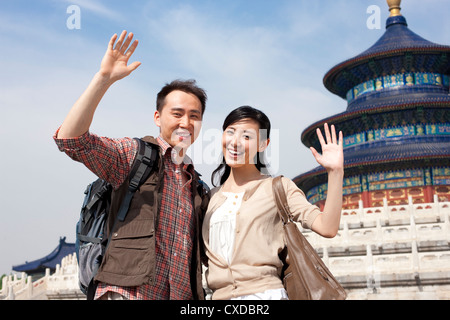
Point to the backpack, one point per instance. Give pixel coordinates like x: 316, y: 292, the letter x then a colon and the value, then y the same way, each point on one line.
x: 90, y: 242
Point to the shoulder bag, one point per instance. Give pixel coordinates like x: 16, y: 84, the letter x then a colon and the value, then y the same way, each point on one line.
x: 305, y: 276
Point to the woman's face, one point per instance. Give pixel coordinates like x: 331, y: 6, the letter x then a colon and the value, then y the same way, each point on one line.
x: 241, y: 142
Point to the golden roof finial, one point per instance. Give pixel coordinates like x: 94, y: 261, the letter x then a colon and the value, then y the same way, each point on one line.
x: 394, y: 7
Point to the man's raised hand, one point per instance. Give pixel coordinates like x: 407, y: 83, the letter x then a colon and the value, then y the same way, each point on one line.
x: 114, y: 65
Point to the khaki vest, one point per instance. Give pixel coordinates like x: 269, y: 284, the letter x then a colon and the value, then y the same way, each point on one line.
x: 130, y: 257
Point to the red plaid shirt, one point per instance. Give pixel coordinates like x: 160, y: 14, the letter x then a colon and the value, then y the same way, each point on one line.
x: 111, y: 159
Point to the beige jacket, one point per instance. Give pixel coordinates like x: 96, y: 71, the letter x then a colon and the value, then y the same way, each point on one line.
x: 255, y: 265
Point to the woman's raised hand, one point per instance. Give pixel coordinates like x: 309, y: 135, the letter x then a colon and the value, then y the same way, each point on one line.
x: 114, y: 65
x: 332, y: 157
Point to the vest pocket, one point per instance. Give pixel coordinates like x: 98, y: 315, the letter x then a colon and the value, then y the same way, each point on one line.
x: 138, y: 243
x: 134, y: 234
x: 131, y: 248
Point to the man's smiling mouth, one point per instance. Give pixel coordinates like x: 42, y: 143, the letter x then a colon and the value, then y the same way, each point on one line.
x: 183, y: 135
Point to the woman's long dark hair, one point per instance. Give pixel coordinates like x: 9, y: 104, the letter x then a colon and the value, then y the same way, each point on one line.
x: 245, y: 112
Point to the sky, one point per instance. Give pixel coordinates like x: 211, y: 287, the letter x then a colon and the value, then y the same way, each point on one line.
x: 270, y: 54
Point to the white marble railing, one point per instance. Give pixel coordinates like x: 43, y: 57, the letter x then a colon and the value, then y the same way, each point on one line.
x: 380, y: 236
x: 423, y: 212
x: 386, y: 264
x: 382, y: 244
x: 63, y: 283
x: 379, y: 225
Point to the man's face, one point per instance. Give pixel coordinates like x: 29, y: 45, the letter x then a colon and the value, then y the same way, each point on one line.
x: 180, y: 119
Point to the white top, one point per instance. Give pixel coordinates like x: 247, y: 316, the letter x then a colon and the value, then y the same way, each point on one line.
x: 223, y: 225
x: 222, y: 236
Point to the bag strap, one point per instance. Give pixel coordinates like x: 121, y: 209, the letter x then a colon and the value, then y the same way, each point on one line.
x: 281, y: 200
x: 146, y: 159
x: 89, y: 239
x: 87, y: 206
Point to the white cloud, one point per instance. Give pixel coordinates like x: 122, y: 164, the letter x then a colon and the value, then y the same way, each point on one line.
x: 214, y: 48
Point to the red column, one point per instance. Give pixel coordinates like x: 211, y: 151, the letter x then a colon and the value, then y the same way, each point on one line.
x: 428, y: 193
x: 365, y: 197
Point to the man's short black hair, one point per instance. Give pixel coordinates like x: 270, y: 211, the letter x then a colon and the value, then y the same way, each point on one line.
x: 188, y: 86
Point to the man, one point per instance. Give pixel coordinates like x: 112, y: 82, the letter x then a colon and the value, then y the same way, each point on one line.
x: 155, y: 252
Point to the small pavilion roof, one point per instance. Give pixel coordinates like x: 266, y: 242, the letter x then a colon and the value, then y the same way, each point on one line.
x: 49, y: 261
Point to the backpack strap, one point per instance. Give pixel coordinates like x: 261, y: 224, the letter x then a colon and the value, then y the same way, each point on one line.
x: 146, y: 159
x: 87, y: 213
x: 95, y: 198
x: 202, y: 187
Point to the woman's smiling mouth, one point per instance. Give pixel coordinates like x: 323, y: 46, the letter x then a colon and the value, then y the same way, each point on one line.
x: 235, y: 153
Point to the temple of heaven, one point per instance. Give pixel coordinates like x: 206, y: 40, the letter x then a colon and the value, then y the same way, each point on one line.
x: 397, y: 123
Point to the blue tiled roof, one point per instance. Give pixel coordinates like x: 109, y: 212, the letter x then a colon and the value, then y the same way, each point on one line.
x: 404, y: 96
x: 399, y: 49
x: 436, y: 107
x: 398, y: 37
x: 390, y: 150
x: 400, y: 148
x: 50, y: 261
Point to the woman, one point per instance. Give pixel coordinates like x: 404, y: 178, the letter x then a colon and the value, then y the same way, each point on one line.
x: 242, y: 230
